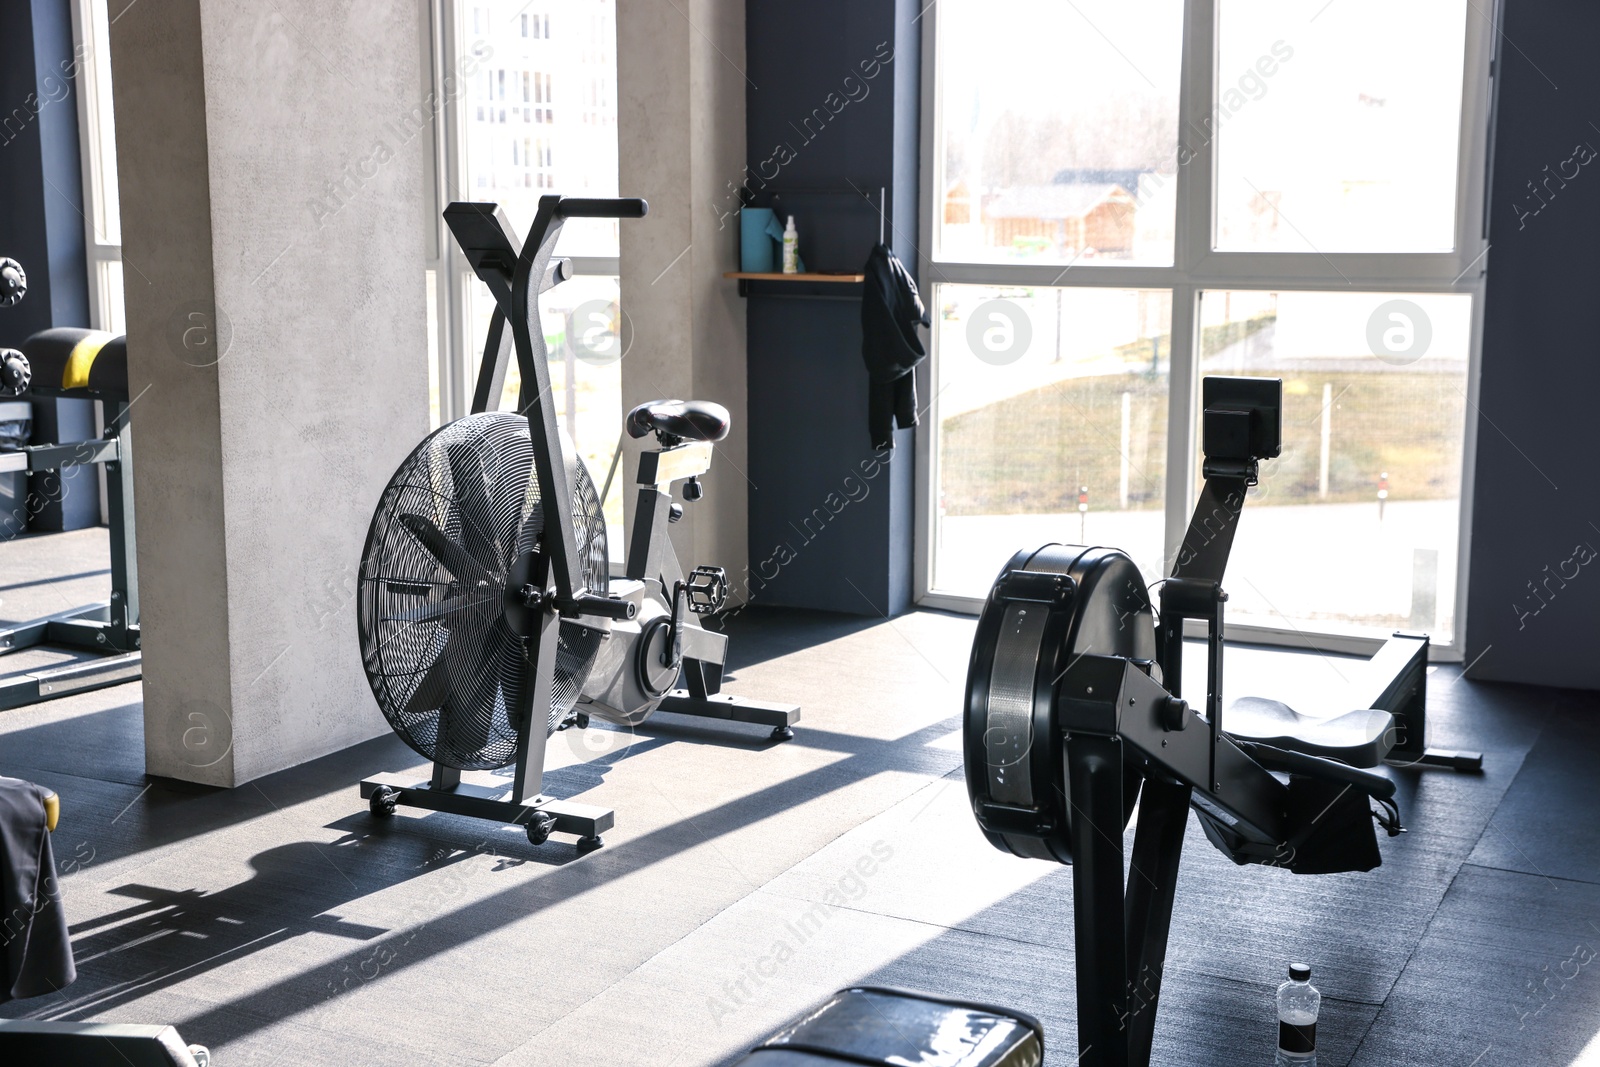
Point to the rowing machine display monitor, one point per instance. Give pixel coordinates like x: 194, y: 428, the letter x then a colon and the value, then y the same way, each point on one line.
x: 488, y: 614
x: 1075, y: 714
x: 1242, y: 420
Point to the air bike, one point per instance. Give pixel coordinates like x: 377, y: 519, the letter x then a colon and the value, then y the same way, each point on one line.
x: 487, y: 610
x: 1074, y: 715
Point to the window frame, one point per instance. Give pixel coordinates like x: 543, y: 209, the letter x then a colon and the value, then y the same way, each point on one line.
x: 1196, y: 267
x: 458, y: 353
x: 93, y: 105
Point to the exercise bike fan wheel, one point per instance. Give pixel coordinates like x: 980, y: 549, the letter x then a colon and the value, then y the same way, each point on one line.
x: 1047, y: 608
x: 457, y: 536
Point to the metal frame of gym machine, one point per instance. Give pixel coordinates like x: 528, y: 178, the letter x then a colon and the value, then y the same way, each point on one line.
x: 512, y: 271
x: 1112, y: 713
x: 82, y: 365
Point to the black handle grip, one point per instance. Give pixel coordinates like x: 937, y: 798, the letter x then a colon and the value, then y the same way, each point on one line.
x: 607, y: 607
x: 622, y: 208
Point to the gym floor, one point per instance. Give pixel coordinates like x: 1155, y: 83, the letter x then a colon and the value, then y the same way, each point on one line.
x: 279, y: 924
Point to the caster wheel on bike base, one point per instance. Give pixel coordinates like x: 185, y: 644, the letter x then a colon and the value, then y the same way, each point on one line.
x: 383, y: 801
x: 540, y: 826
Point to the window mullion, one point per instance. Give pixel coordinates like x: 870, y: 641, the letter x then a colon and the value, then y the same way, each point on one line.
x: 1182, y: 388
x: 1196, y: 146
x: 1193, y: 233
x: 456, y: 354
x: 926, y: 480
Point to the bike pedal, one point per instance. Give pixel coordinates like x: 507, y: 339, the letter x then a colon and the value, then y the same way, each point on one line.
x: 706, y: 590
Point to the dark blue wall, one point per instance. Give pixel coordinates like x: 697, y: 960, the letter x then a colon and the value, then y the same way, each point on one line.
x: 832, y: 114
x: 41, y: 211
x: 1533, y: 602
x: 42, y: 227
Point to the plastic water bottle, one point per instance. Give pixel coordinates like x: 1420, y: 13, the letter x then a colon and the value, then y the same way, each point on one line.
x: 1298, y: 1001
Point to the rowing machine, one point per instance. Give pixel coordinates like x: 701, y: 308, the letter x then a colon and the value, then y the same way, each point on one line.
x: 1074, y: 715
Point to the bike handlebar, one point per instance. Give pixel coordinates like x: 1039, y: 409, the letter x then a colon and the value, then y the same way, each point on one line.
x: 627, y: 207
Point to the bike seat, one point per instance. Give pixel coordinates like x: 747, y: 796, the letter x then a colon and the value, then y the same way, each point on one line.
x: 1358, y: 738
x: 679, y: 420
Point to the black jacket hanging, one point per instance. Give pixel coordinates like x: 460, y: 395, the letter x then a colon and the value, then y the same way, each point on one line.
x: 34, y: 948
x: 891, y: 311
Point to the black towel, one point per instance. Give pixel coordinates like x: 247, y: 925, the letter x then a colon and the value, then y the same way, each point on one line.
x: 33, y: 926
x: 891, y: 311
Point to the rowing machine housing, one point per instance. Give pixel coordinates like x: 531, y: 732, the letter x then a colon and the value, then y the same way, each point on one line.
x: 1048, y: 607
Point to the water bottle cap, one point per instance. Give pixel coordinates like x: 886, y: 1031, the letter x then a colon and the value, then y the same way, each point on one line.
x: 1300, y: 972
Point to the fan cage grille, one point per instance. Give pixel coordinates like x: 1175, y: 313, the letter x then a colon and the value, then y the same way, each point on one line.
x: 449, y: 672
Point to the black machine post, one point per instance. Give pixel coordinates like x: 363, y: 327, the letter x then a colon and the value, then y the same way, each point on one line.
x: 1094, y: 773
x: 124, y: 607
x: 1151, y: 893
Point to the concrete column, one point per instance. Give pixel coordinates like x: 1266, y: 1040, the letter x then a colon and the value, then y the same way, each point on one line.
x: 681, y: 106
x: 271, y: 168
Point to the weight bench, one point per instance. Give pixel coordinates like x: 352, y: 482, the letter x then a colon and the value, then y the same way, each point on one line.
x: 883, y: 1027
x: 92, y: 365
x: 23, y: 1041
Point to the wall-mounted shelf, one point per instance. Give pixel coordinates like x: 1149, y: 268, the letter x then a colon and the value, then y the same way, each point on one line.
x: 746, y: 277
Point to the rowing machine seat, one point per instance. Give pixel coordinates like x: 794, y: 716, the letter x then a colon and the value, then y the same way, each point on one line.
x: 675, y: 421
x: 1357, y: 738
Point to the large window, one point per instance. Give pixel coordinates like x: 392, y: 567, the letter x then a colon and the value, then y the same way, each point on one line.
x: 91, y: 86
x: 1120, y: 199
x: 534, y: 112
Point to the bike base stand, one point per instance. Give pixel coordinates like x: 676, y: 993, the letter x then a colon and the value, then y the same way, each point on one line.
x: 781, y: 717
x: 702, y: 695
x: 538, y: 815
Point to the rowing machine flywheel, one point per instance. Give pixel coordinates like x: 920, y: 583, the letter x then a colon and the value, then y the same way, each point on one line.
x: 443, y: 602
x: 1047, y: 607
